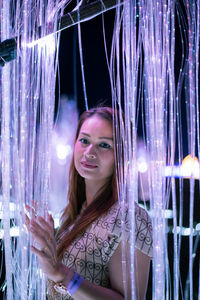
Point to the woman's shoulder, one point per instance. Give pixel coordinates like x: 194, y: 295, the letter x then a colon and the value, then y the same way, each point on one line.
x: 143, y: 231
x: 124, y: 212
x: 119, y: 218
x: 142, y: 215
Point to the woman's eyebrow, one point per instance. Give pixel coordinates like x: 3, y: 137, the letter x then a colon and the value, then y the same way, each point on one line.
x: 107, y: 138
x: 101, y: 137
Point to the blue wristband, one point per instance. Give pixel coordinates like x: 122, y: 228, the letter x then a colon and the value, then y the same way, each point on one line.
x: 72, y: 287
x: 74, y: 283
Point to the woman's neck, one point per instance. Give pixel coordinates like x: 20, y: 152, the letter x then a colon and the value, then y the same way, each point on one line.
x: 91, y: 189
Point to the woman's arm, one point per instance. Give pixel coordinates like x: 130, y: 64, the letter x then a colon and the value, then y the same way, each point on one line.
x: 43, y: 232
x: 142, y: 264
x: 88, y: 290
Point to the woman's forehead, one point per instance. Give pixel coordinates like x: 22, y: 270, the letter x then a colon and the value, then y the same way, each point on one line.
x: 96, y: 124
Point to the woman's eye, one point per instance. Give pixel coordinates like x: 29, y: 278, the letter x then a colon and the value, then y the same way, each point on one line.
x: 105, y: 145
x: 83, y: 141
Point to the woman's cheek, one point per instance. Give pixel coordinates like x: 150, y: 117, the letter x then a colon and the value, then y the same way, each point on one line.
x: 78, y: 149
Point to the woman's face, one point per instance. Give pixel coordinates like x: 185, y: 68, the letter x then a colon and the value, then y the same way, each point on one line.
x: 93, y: 152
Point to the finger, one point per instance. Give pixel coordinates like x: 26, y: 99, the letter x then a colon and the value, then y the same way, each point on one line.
x: 42, y: 237
x: 27, y: 221
x: 38, y: 229
x: 34, y: 204
x: 47, y: 225
x: 43, y: 247
x: 51, y: 220
x: 38, y: 252
x: 26, y: 225
x: 32, y: 212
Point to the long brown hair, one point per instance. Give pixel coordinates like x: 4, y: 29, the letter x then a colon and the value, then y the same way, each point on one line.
x: 104, y: 199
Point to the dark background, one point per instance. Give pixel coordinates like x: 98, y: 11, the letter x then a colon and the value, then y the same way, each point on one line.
x: 94, y: 58
x: 96, y: 71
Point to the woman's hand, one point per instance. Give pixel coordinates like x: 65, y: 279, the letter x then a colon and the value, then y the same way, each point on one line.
x: 42, y: 232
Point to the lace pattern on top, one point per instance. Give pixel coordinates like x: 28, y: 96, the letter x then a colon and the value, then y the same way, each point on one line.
x: 90, y: 253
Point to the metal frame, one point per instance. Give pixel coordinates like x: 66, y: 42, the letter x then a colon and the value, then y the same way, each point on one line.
x: 84, y: 13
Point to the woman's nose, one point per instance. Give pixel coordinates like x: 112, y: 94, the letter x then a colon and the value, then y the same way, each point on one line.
x: 90, y: 152
x: 89, y: 155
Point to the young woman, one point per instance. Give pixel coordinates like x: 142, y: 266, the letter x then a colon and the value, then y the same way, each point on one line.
x: 84, y: 261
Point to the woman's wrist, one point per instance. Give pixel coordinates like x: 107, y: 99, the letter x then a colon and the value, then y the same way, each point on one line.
x: 70, y: 288
x: 67, y: 281
x: 63, y: 274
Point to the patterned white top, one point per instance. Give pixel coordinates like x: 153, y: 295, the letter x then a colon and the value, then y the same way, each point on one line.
x: 90, y: 253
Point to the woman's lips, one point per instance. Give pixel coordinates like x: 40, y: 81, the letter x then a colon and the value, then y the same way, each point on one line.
x: 88, y: 165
